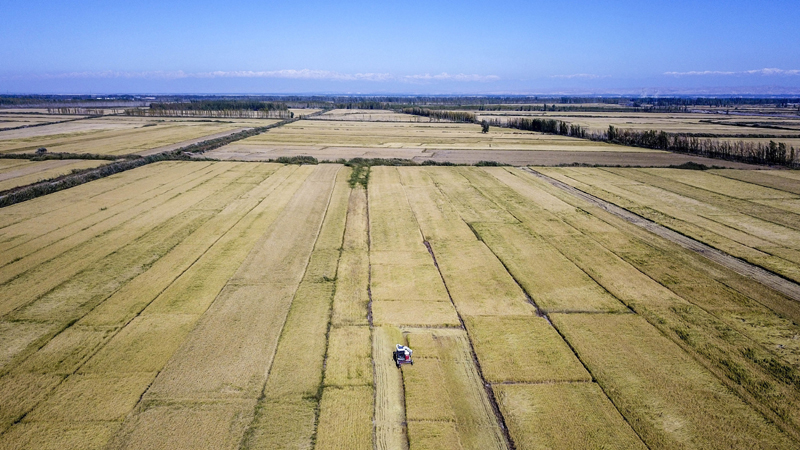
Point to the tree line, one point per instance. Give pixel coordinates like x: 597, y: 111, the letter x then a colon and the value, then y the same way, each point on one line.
x: 450, y: 116
x: 550, y: 126
x: 216, y: 108
x: 82, y: 111
x: 745, y: 151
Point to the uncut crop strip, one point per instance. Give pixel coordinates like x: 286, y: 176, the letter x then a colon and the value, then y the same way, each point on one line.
x: 286, y: 414
x: 738, y: 360
x: 64, y: 354
x: 767, y: 278
x: 352, y: 275
x: 225, y: 366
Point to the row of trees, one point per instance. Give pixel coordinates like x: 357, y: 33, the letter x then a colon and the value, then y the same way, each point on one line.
x: 224, y: 114
x: 240, y: 109
x: 550, y: 126
x: 450, y: 116
x: 82, y: 111
x: 745, y: 151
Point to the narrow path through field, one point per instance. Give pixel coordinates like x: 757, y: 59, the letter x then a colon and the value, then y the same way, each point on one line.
x: 765, y: 277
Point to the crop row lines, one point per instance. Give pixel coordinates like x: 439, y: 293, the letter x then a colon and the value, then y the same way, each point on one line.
x: 658, y: 321
x: 541, y: 313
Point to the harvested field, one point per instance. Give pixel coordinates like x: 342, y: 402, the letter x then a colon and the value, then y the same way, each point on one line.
x: 369, y: 115
x: 697, y: 123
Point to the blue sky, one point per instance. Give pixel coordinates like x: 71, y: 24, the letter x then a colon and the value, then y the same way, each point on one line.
x: 414, y: 47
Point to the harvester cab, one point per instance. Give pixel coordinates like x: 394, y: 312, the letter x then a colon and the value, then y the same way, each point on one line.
x: 402, y: 355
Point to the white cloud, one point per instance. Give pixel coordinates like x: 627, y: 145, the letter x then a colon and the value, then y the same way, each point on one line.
x: 589, y: 76
x: 765, y: 72
x: 304, y: 74
x: 447, y: 76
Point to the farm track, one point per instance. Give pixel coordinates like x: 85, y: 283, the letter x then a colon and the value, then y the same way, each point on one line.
x: 765, y: 277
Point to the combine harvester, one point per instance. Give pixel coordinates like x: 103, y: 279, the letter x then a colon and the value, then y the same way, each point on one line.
x: 402, y: 355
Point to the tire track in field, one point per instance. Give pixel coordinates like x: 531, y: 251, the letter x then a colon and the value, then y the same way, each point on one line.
x: 759, y: 274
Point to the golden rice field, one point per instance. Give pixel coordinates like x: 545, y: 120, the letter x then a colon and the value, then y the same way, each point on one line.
x: 21, y: 172
x: 246, y: 305
x: 120, y: 135
x: 387, y: 136
x: 751, y: 215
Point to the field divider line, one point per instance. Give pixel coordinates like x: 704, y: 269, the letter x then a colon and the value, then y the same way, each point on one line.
x: 112, y: 335
x: 770, y: 279
x: 372, y: 328
x: 263, y: 395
